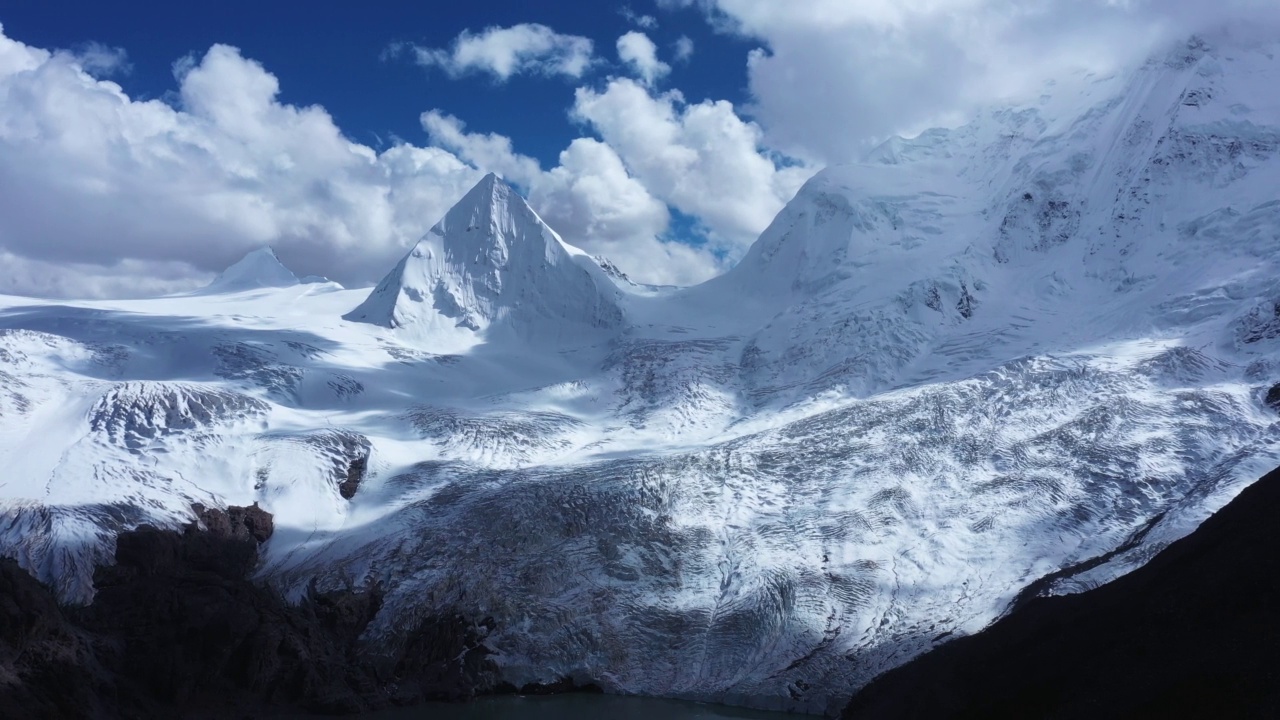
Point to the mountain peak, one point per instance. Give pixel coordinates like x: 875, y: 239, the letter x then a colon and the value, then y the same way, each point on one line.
x: 491, y: 261
x: 487, y: 191
x: 483, y: 205
x: 258, y: 269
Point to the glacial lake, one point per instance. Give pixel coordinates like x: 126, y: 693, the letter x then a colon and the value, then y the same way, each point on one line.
x: 578, y: 706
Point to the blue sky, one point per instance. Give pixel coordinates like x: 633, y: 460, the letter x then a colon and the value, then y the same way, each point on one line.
x: 333, y: 54
x: 146, y: 145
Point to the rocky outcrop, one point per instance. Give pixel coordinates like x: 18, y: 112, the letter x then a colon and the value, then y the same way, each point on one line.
x: 48, y: 666
x: 237, y: 523
x: 1191, y: 634
x: 1273, y: 397
x: 355, y: 475
x: 178, y: 629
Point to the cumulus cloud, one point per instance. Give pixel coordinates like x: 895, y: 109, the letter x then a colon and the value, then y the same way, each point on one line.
x: 702, y: 159
x: 641, y: 55
x: 611, y: 213
x: 611, y: 196
x: 490, y: 151
x: 104, y: 195
x: 834, y: 76
x: 591, y: 193
x: 590, y: 198
x: 92, y: 178
x: 528, y: 48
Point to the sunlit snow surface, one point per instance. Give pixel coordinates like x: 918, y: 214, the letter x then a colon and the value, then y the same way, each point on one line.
x: 981, y: 357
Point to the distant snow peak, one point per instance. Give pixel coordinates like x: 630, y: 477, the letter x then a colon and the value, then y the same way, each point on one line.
x: 259, y: 269
x: 493, y: 263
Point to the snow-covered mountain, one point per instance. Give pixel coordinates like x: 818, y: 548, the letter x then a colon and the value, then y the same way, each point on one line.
x: 259, y: 269
x: 1036, y: 346
x: 492, y: 266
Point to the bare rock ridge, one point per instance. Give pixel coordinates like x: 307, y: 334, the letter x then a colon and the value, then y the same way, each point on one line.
x: 493, y: 263
x: 1192, y: 633
x: 177, y: 629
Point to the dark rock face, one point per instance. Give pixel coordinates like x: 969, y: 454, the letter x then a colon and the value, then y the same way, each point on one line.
x: 1261, y: 324
x: 48, y: 668
x: 178, y: 629
x: 237, y: 523
x: 1273, y: 397
x: 355, y: 474
x: 349, y: 452
x: 1194, y: 633
x: 191, y: 631
x: 559, y: 687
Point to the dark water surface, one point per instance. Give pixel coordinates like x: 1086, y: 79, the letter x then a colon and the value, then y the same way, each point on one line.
x: 577, y: 706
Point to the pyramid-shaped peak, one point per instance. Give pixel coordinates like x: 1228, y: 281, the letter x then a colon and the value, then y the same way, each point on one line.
x: 493, y: 261
x: 490, y: 182
x: 264, y: 256
x: 260, y: 268
x: 489, y: 191
x: 486, y: 206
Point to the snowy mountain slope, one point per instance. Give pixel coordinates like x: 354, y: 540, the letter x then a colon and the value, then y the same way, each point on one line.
x: 492, y: 264
x: 1036, y: 345
x: 1031, y: 208
x: 259, y: 269
x: 777, y: 567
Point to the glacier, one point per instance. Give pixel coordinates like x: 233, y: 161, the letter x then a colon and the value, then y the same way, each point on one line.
x: 1025, y: 353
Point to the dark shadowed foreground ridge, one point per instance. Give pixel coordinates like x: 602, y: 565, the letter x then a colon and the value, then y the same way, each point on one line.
x: 1194, y: 633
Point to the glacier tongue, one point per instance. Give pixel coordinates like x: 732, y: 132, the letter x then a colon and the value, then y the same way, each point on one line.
x: 492, y: 266
x: 984, y: 356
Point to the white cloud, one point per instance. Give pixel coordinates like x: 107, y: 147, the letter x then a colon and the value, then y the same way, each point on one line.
x: 701, y: 159
x: 590, y: 199
x: 102, y: 61
x: 92, y: 179
x: 592, y: 196
x: 127, y: 278
x: 502, y: 52
x: 101, y: 194
x: 491, y: 152
x: 610, y: 196
x: 683, y: 48
x: 638, y: 51
x: 607, y: 211
x: 835, y: 76
x: 611, y: 213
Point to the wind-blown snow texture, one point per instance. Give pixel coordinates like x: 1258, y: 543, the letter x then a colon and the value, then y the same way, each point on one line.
x: 981, y: 357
